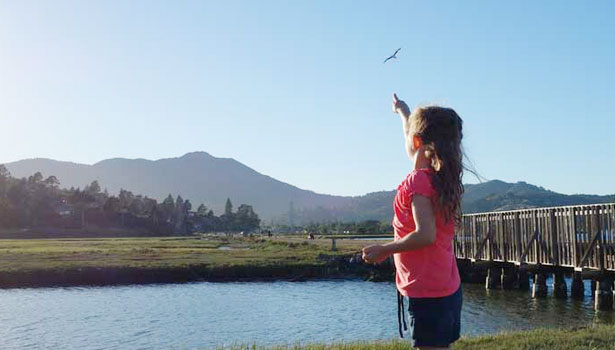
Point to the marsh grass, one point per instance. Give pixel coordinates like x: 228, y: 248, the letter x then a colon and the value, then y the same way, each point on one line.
x: 43, y: 254
x: 599, y: 337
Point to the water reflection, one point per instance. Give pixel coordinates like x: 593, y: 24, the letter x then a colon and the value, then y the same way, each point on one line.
x: 204, y: 315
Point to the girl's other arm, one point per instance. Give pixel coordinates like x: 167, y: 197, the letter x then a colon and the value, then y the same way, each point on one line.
x: 425, y: 233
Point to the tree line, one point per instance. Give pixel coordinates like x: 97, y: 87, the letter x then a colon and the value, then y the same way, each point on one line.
x: 362, y: 227
x: 37, y: 201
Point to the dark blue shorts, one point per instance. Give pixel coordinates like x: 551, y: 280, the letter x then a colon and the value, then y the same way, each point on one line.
x: 435, y: 321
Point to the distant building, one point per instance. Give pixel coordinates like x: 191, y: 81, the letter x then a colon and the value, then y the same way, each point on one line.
x: 64, y: 209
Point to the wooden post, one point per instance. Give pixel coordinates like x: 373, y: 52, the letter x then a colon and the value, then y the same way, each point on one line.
x: 559, y: 286
x: 474, y: 237
x: 539, y: 288
x: 490, y: 233
x: 517, y: 233
x: 554, y: 238
x: 333, y: 246
x: 538, y: 238
x: 493, y: 278
x: 577, y: 289
x: 524, y: 280
x: 508, y: 277
x: 600, y: 244
x: 604, y: 294
x: 573, y: 227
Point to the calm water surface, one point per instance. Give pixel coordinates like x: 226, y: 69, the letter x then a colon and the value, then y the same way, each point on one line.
x: 206, y: 315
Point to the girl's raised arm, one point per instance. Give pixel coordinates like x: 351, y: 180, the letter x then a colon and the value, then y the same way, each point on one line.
x: 400, y: 107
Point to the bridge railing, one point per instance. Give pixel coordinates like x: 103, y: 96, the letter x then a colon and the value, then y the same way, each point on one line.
x: 580, y: 237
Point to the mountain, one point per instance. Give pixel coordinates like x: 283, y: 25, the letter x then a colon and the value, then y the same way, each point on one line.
x: 498, y: 195
x: 206, y: 179
x: 198, y: 176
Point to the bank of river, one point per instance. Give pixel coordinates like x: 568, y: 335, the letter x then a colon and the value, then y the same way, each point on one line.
x: 206, y: 315
x: 120, y: 261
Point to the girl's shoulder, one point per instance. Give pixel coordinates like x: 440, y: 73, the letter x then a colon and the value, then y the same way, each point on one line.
x: 418, y: 182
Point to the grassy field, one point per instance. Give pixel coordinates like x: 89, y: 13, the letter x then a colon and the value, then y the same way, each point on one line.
x: 600, y: 337
x: 178, y: 258
x: 37, y: 254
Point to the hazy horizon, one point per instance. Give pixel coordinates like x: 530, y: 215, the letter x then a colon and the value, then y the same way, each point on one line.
x: 466, y: 175
x: 298, y: 91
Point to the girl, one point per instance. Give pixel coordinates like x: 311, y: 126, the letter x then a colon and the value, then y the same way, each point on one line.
x: 426, y: 211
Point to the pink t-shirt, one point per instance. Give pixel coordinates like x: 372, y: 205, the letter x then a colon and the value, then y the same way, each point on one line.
x: 431, y: 271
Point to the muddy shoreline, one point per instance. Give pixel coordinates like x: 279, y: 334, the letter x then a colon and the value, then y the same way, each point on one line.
x: 332, y: 268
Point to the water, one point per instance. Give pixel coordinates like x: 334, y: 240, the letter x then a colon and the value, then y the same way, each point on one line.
x: 206, y: 315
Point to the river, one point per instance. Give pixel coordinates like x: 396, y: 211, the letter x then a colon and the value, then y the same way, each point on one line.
x: 206, y: 315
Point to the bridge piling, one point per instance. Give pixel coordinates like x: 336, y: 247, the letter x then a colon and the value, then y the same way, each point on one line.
x: 604, y: 294
x: 539, y: 287
x: 508, y: 278
x: 523, y: 279
x: 493, y: 280
x: 577, y: 289
x: 508, y: 245
x: 560, y: 289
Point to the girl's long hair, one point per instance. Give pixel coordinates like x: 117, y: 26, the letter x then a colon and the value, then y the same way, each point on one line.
x: 440, y: 130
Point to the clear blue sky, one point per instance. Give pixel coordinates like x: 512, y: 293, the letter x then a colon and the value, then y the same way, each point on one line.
x: 297, y: 89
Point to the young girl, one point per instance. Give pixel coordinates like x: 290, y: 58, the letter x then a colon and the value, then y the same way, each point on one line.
x: 426, y: 211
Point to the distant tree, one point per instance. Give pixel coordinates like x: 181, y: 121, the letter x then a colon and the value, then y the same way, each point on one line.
x: 36, y: 178
x: 93, y: 188
x: 148, y: 204
x: 168, y: 209
x: 137, y: 207
x: 4, y: 172
x: 181, y: 214
x: 246, y: 219
x: 228, y: 208
x: 112, y: 205
x: 80, y: 201
x: 52, y: 181
x: 4, y: 180
x: 201, y: 211
x: 126, y: 198
x: 35, y: 201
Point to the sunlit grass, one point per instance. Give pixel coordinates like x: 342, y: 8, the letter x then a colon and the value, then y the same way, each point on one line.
x: 41, y: 254
x: 600, y: 337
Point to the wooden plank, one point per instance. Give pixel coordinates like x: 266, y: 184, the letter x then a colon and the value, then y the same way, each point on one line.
x: 517, y: 229
x: 571, y: 236
x: 554, y: 238
x: 589, y: 249
x: 490, y: 234
x: 482, y: 244
x: 474, y: 237
x: 598, y: 229
x: 536, y: 239
x: 528, y: 246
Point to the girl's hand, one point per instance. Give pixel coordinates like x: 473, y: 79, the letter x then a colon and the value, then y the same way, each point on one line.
x: 375, y: 254
x: 400, y: 107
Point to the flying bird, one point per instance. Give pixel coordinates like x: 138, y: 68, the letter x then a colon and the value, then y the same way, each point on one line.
x: 392, y: 56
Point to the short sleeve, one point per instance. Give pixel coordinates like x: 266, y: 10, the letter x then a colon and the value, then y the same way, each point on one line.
x: 419, y: 182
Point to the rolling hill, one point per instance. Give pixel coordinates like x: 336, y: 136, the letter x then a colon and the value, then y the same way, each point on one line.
x: 206, y: 179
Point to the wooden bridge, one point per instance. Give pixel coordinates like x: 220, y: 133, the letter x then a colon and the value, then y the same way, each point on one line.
x: 579, y: 240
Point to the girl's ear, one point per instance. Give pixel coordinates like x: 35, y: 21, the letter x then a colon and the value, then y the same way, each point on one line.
x: 417, y: 142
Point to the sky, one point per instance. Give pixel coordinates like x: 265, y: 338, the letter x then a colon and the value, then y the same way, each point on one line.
x: 297, y: 89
